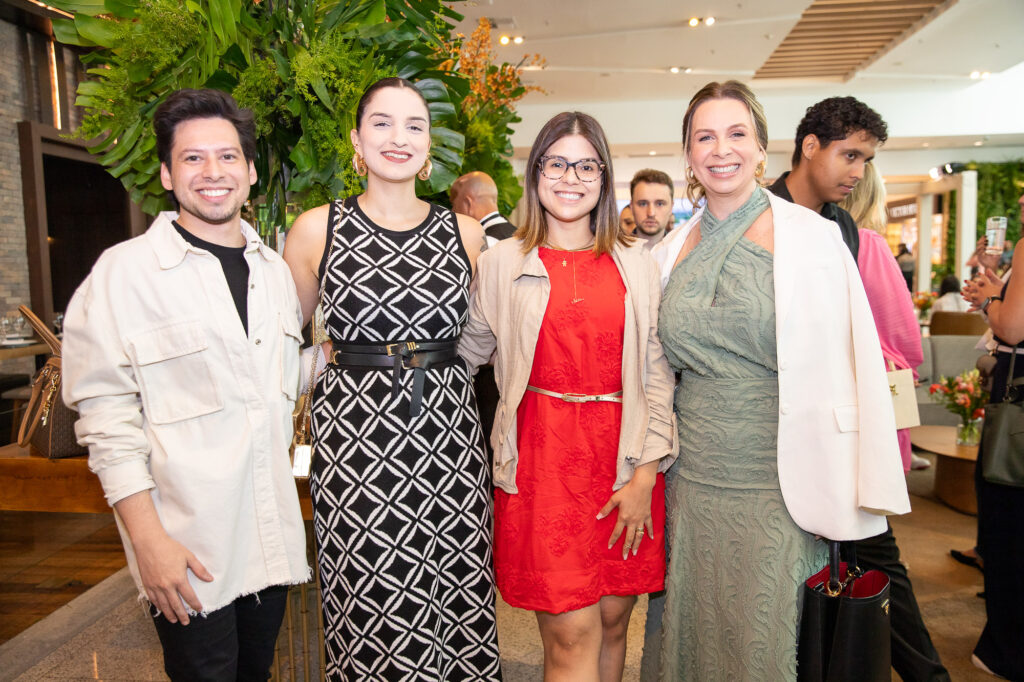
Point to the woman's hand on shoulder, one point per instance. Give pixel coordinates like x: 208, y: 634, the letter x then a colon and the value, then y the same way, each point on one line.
x: 303, y: 249
x: 473, y: 238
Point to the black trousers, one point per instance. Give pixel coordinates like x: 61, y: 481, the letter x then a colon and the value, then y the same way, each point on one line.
x: 235, y: 642
x: 913, y: 655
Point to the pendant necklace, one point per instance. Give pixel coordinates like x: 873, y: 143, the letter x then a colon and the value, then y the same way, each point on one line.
x: 565, y: 263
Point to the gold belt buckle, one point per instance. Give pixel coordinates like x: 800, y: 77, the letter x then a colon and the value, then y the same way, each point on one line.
x: 395, y: 348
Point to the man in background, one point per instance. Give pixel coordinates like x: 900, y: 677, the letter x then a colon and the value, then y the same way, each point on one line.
x: 651, y: 194
x: 834, y: 141
x: 475, y: 194
x: 626, y: 222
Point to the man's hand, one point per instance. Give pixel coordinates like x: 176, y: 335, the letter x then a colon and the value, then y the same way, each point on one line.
x: 163, y: 567
x: 163, y: 561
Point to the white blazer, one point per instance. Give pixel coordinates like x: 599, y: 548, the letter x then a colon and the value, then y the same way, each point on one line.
x: 839, y: 461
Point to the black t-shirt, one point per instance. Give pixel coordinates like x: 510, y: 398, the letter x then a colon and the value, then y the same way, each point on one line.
x: 236, y: 270
x: 847, y: 227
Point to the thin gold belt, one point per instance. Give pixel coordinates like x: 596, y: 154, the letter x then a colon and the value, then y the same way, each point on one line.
x: 580, y: 397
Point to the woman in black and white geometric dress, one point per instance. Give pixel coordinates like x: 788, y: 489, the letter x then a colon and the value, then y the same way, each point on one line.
x: 400, y: 482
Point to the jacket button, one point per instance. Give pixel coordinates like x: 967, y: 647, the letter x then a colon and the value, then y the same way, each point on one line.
x: 257, y: 342
x: 784, y: 409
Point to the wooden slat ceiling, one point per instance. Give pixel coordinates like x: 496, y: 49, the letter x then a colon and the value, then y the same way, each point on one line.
x: 838, y: 38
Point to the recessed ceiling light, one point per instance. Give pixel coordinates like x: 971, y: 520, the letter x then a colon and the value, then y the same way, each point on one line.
x: 978, y: 143
x: 653, y: 153
x: 518, y: 40
x: 925, y: 144
x: 687, y: 70
x: 694, y: 21
x: 975, y: 75
x: 985, y: 75
x: 674, y: 69
x: 504, y: 40
x: 710, y: 21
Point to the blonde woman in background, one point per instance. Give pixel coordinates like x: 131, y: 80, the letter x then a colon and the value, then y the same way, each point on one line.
x: 891, y: 305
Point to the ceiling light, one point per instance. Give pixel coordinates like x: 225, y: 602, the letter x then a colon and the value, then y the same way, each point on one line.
x: 504, y: 40
x: 925, y: 144
x: 652, y: 153
x: 978, y: 143
x: 688, y: 70
x: 710, y: 21
x: 975, y: 75
x: 985, y: 75
x: 518, y: 40
x: 694, y: 22
x: 674, y: 69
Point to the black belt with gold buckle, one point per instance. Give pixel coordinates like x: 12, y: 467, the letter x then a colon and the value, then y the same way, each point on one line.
x: 418, y: 356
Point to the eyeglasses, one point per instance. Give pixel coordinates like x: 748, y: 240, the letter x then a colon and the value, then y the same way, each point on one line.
x: 555, y: 168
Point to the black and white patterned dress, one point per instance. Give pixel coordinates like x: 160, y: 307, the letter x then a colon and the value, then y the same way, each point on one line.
x: 401, y: 503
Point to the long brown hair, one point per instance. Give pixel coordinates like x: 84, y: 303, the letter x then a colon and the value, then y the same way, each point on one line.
x: 604, y: 218
x: 714, y: 90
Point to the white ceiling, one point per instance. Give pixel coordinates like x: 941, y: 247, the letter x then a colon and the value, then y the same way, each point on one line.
x: 611, y: 59
x: 617, y: 50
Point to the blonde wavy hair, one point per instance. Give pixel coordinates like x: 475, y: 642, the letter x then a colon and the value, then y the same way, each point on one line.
x: 866, y: 203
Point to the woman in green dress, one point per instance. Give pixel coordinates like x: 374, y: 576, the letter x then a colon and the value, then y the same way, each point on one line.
x: 740, y: 541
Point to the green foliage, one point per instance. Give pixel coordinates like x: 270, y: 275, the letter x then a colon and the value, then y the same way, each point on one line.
x: 300, y: 66
x: 488, y: 148
x: 999, y: 187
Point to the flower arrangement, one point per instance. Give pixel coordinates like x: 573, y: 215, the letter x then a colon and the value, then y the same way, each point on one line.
x: 923, y: 301
x: 963, y: 396
x: 486, y: 114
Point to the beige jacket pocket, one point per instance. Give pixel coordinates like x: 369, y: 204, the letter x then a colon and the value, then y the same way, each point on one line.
x: 173, y: 373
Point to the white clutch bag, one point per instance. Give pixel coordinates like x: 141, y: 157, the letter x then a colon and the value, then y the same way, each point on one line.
x: 904, y: 399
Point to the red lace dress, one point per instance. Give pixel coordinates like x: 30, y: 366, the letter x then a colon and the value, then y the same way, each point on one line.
x: 550, y: 552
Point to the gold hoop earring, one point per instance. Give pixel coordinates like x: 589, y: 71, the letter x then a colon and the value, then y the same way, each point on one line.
x: 359, y: 164
x: 759, y: 171
x: 690, y: 177
x: 424, y: 173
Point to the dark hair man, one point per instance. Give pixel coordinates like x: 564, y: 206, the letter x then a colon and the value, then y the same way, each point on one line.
x: 834, y: 141
x: 475, y: 194
x: 651, y: 194
x: 181, y: 357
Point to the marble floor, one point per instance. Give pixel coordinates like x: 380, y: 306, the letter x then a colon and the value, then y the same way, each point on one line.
x: 103, y: 634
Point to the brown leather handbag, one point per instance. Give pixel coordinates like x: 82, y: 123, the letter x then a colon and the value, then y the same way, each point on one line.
x: 48, y: 424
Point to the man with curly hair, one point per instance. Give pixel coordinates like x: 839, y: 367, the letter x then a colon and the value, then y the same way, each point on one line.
x: 834, y: 141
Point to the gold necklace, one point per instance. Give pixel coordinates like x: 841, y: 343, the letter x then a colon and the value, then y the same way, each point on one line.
x: 572, y: 254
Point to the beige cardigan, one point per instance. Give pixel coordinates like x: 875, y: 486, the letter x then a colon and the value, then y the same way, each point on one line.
x: 510, y: 295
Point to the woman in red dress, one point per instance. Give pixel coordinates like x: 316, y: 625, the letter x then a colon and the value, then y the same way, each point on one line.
x: 569, y: 308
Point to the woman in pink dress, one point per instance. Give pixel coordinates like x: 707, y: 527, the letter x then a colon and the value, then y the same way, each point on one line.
x: 888, y: 296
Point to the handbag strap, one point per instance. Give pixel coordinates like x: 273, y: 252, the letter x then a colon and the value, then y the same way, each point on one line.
x: 44, y: 332
x: 317, y: 332
x: 40, y: 402
x: 1010, y: 395
x: 837, y: 584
